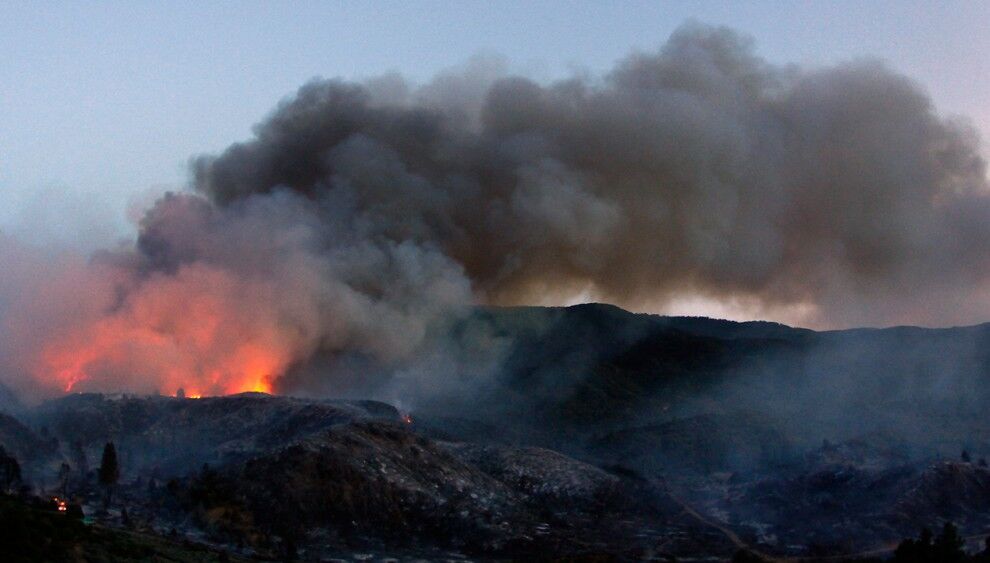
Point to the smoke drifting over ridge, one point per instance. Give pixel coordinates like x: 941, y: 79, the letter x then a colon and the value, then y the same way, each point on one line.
x: 697, y: 169
x: 362, y: 216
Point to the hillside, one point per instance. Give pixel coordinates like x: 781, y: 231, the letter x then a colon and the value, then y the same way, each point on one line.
x: 602, y: 434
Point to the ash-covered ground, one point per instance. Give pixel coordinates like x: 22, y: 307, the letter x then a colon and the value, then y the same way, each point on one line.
x: 605, y: 436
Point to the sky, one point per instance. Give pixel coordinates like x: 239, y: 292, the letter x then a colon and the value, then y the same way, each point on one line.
x: 103, y: 104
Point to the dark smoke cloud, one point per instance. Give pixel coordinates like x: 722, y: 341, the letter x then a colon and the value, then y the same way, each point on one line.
x: 699, y: 169
x: 362, y: 219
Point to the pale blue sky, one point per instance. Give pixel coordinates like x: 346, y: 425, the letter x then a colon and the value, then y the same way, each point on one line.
x: 110, y: 99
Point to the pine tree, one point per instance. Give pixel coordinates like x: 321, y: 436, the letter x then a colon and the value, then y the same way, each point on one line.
x: 109, y: 472
x: 915, y: 551
x: 10, y: 470
x: 948, y: 546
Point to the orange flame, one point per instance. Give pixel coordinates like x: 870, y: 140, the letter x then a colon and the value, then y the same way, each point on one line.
x: 249, y: 367
x: 197, y: 331
x: 60, y: 504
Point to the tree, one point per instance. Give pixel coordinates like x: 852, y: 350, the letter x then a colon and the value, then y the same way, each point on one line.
x: 109, y: 472
x: 10, y: 470
x: 948, y: 546
x: 915, y: 551
x: 64, y: 472
x: 966, y: 457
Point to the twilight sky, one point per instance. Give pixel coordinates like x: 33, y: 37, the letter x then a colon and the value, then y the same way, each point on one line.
x: 102, y: 104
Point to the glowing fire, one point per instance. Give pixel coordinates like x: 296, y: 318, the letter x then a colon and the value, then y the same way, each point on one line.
x: 249, y: 367
x: 60, y: 504
x: 199, y: 331
x: 407, y: 418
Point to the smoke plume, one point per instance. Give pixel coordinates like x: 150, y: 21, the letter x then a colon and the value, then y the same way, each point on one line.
x: 697, y: 169
x: 361, y: 216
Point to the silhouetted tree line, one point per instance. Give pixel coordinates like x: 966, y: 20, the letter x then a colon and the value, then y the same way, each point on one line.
x: 947, y: 547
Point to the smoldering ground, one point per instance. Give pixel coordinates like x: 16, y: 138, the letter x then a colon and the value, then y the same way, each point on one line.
x: 362, y: 217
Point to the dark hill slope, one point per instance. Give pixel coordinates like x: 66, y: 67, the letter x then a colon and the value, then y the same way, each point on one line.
x: 373, y: 483
x: 573, y: 372
x: 174, y: 435
x: 18, y: 440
